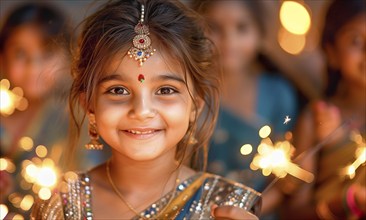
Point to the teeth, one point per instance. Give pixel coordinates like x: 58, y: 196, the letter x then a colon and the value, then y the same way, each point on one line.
x: 141, y: 132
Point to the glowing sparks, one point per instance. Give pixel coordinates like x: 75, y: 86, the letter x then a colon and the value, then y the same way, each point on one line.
x: 276, y: 158
x: 360, y: 155
x: 287, y: 120
x: 46, y: 177
x: 11, y: 100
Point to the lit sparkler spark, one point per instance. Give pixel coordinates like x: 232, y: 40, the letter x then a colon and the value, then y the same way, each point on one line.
x: 276, y: 158
x: 360, y: 155
x: 10, y: 100
x: 287, y: 120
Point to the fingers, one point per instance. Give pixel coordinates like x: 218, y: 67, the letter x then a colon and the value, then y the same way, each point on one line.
x: 231, y: 212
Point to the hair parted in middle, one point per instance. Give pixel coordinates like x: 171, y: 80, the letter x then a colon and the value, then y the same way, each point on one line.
x: 177, y: 33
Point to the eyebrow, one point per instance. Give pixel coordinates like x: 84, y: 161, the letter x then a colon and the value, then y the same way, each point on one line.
x: 170, y: 76
x: 110, y: 77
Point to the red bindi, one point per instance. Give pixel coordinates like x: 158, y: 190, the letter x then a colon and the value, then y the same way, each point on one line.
x: 141, y: 78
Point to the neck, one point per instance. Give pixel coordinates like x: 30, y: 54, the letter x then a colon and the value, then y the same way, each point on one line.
x: 238, y: 84
x: 131, y: 175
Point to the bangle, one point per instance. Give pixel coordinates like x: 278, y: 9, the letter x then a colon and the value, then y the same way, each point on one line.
x: 351, y: 202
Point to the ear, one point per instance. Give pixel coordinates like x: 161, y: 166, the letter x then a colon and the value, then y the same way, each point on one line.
x: 83, y: 103
x: 196, y: 109
x: 331, y: 55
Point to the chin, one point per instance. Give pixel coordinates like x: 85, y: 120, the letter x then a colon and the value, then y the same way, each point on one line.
x: 144, y: 151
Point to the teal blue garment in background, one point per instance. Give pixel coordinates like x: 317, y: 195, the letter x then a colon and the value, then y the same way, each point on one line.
x: 275, y: 100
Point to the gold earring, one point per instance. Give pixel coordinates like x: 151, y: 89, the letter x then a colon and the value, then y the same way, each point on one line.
x: 192, y: 140
x: 94, y: 143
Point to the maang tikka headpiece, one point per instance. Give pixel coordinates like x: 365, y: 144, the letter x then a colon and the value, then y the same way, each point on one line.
x: 141, y: 49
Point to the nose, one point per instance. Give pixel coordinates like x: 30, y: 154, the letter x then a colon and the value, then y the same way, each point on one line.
x: 142, y: 107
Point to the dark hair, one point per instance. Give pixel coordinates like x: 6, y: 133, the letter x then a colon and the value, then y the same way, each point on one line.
x: 48, y: 19
x: 339, y: 13
x: 176, y: 29
x: 256, y: 10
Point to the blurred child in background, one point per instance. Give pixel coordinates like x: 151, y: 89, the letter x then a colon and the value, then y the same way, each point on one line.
x: 334, y: 196
x: 34, y: 56
x: 253, y: 94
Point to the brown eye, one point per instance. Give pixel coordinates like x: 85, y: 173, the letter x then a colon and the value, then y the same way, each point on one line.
x: 118, y: 91
x: 166, y: 91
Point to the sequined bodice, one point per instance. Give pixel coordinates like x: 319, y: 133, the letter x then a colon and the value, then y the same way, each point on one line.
x: 73, y: 200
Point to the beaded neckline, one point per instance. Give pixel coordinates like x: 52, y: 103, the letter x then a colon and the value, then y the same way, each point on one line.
x: 80, y: 195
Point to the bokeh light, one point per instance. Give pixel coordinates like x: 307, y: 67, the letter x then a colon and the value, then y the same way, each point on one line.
x: 246, y: 149
x: 46, y: 177
x: 18, y: 217
x: 3, y: 211
x: 26, y: 202
x: 265, y: 131
x: 44, y: 193
x: 3, y: 164
x: 26, y: 143
x: 41, y: 151
x: 291, y: 43
x: 294, y: 17
x: 10, y: 100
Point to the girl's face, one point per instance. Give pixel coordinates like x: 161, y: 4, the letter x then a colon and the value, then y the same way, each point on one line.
x: 235, y: 32
x: 143, y: 120
x: 348, y: 54
x: 28, y: 63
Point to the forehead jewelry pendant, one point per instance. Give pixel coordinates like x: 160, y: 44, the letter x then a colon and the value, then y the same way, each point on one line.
x: 141, y: 49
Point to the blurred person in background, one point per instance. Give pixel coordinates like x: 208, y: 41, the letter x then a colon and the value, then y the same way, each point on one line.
x: 254, y: 93
x: 339, y: 120
x: 34, y: 55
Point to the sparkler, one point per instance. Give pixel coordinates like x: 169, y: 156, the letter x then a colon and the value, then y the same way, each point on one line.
x: 360, y: 155
x: 276, y: 158
x: 10, y: 100
x: 288, y: 167
x: 287, y: 120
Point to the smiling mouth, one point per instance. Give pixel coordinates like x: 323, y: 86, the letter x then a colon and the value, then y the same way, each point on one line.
x: 142, y: 133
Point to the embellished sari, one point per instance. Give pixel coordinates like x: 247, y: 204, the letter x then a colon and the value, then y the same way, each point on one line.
x: 192, y: 199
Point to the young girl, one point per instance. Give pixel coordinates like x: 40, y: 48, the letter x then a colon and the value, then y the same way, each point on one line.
x: 343, y: 41
x: 144, y: 74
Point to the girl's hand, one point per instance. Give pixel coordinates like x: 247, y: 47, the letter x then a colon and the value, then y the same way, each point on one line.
x: 231, y: 212
x: 327, y: 118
